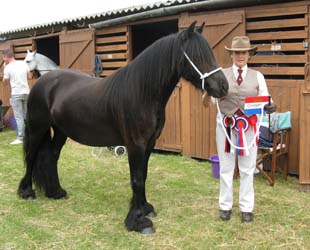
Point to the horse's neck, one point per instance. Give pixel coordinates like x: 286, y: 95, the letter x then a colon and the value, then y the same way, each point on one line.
x: 45, y: 65
x: 168, y: 79
x: 164, y: 79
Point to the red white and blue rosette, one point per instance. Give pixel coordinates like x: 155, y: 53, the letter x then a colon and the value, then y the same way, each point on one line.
x: 241, y: 126
x: 229, y: 123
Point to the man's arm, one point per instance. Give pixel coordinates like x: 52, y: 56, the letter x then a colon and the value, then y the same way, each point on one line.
x: 5, y: 81
x: 6, y: 76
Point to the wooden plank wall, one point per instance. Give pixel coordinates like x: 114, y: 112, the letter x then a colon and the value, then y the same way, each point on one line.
x: 281, y: 34
x: 171, y: 136
x: 20, y: 48
x: 112, y: 44
x: 76, y: 50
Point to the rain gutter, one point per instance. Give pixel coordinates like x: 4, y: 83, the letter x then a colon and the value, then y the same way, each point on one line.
x: 172, y: 10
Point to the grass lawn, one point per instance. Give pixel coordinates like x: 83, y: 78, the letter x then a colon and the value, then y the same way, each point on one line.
x: 182, y: 190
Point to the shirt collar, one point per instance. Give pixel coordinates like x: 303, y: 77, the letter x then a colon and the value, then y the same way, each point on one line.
x: 244, y: 68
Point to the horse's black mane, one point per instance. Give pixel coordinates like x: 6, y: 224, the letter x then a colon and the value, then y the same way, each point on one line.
x: 153, y: 68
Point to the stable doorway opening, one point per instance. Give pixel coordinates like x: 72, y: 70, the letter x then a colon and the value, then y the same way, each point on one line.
x: 143, y: 35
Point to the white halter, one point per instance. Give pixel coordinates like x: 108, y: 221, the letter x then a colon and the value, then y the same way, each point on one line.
x: 202, y: 76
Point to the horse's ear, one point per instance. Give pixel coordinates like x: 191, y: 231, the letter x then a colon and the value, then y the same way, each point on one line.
x: 191, y: 28
x: 200, y: 29
x: 188, y: 32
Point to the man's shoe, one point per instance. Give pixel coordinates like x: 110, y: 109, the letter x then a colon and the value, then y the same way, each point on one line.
x: 225, y: 214
x: 247, y: 217
x: 17, y: 141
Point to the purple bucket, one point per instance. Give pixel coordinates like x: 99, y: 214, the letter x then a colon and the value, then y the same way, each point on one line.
x: 12, y: 122
x: 215, y: 166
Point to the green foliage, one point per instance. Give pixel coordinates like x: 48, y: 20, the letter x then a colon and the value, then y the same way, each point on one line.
x: 183, y: 191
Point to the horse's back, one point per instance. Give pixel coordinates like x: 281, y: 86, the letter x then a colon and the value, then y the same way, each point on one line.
x: 63, y: 76
x: 71, y: 101
x: 63, y: 82
x: 60, y: 88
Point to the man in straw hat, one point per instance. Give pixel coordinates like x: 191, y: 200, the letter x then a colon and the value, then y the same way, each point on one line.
x: 241, y: 129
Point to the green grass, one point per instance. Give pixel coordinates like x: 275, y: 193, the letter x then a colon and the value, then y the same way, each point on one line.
x: 183, y: 191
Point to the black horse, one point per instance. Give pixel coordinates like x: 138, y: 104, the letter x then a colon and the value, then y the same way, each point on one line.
x: 126, y: 108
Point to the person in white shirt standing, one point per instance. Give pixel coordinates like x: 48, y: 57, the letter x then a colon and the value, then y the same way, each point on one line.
x: 243, y: 82
x: 16, y: 74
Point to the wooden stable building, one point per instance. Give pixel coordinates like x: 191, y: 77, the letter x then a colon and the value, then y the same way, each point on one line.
x: 280, y: 29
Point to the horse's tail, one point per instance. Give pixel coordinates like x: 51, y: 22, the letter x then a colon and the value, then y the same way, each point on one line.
x: 25, y: 187
x: 35, y: 144
x: 44, y: 172
x: 43, y: 162
x: 26, y: 144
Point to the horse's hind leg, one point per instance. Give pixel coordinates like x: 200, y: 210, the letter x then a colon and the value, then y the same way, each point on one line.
x: 48, y: 174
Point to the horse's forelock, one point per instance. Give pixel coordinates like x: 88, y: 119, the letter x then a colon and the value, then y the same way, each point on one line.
x: 199, y: 50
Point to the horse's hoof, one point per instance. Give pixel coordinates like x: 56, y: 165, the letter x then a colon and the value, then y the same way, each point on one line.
x: 60, y: 194
x: 30, y: 198
x: 66, y: 197
x: 28, y: 194
x: 152, y: 214
x: 147, y: 230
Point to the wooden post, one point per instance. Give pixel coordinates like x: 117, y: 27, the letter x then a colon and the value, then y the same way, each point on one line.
x: 304, y: 128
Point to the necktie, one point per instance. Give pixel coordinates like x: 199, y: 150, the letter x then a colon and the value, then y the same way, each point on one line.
x: 239, y: 78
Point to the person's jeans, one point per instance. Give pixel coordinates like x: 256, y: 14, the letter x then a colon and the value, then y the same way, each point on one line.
x: 19, y: 106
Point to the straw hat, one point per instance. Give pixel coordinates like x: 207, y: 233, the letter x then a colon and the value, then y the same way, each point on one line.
x: 241, y: 43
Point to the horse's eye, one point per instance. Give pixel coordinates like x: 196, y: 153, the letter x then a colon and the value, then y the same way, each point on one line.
x: 27, y: 61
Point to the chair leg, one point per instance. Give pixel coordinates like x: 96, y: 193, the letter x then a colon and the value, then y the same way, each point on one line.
x: 273, y: 167
x: 285, y: 168
x: 258, y: 162
x: 271, y: 182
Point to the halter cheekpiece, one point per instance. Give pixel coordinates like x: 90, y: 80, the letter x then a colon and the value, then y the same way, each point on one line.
x: 202, y: 76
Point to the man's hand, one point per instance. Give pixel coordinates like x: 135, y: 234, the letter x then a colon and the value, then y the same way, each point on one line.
x: 270, y: 108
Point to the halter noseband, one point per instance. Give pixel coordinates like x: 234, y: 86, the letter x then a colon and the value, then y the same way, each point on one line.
x: 202, y: 76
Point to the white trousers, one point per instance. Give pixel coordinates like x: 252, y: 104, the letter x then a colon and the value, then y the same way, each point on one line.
x: 246, y: 165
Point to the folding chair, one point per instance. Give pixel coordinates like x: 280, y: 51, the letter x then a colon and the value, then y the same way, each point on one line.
x: 272, y: 155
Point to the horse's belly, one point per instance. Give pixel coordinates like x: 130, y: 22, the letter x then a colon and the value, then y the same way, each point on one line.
x: 95, y: 137
x: 89, y: 131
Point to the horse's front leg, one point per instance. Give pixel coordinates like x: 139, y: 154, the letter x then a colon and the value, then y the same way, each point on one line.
x: 136, y: 219
x: 148, y: 207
